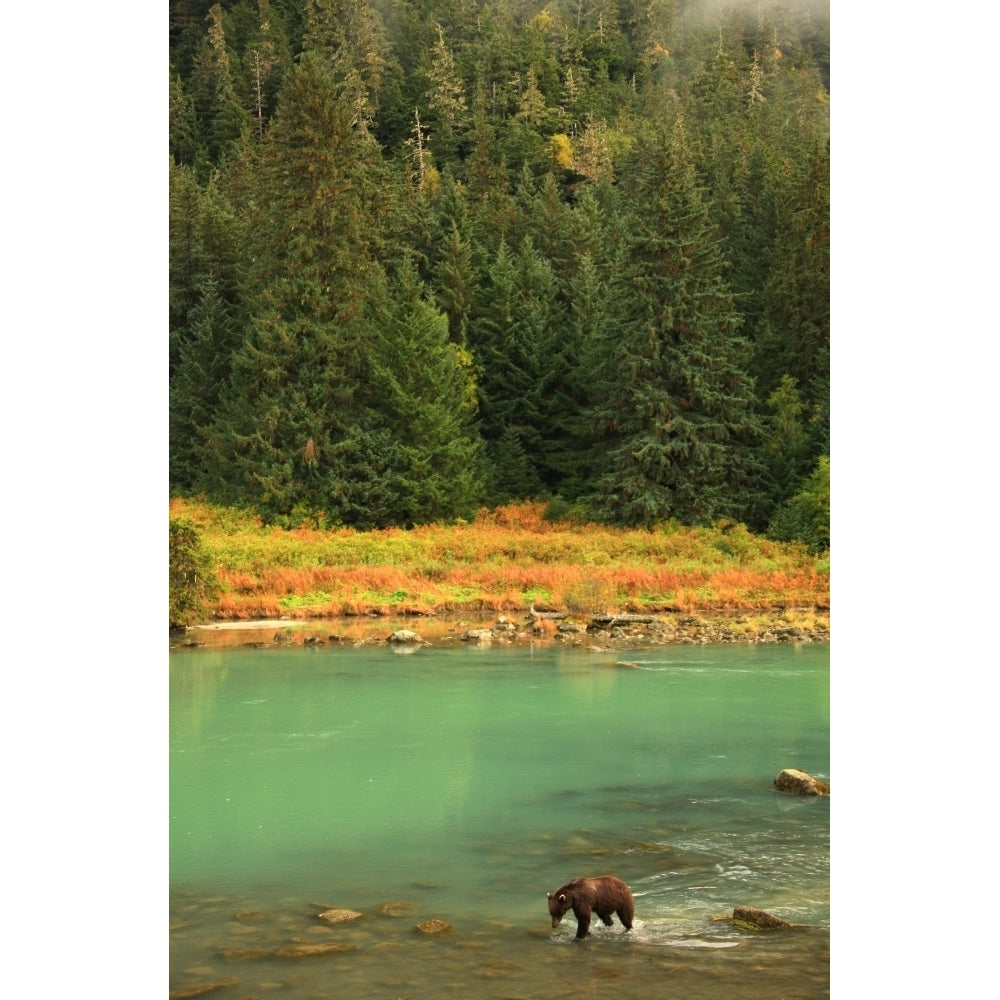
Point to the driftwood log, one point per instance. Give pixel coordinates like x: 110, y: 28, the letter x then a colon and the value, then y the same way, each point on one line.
x: 554, y: 615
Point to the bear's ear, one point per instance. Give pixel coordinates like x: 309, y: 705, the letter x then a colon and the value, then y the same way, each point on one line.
x: 562, y: 898
x: 548, y: 895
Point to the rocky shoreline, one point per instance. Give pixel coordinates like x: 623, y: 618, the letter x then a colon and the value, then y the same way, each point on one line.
x: 595, y: 631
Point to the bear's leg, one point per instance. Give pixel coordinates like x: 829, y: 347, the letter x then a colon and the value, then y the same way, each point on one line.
x: 625, y: 914
x: 582, y: 921
x: 606, y: 917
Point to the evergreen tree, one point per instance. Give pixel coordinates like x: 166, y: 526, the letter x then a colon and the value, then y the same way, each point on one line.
x: 805, y: 517
x: 456, y: 284
x: 203, y: 368
x: 591, y: 314
x: 207, y: 313
x: 446, y: 98
x: 350, y: 36
x: 788, y: 448
x: 425, y: 393
x: 184, y: 139
x: 795, y: 327
x: 518, y: 357
x: 291, y: 429
x: 676, y: 423
x: 221, y: 112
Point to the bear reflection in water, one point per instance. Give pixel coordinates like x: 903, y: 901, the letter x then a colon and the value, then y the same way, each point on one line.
x: 603, y: 895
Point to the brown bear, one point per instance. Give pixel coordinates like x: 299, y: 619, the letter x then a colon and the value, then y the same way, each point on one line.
x: 603, y: 895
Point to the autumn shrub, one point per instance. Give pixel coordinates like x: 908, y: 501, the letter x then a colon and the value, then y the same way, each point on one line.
x: 503, y: 561
x: 193, y: 580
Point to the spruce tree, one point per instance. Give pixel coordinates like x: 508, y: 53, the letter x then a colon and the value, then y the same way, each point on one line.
x: 518, y: 357
x: 203, y: 367
x: 292, y: 430
x: 207, y: 312
x: 424, y: 391
x: 795, y: 335
x: 674, y: 420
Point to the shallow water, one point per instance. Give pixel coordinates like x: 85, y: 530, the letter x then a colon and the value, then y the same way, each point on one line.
x: 464, y: 783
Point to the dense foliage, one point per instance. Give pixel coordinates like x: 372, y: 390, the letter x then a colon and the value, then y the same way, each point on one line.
x: 193, y: 579
x: 505, y: 560
x: 426, y: 257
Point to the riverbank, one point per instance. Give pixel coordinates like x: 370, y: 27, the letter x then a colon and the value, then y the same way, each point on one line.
x: 738, y: 586
x: 595, y: 631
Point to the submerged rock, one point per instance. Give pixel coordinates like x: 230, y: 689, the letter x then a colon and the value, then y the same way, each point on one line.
x: 433, y: 926
x: 748, y: 916
x: 201, y: 989
x: 339, y: 916
x: 309, y: 950
x: 245, y: 954
x: 397, y: 908
x: 799, y: 783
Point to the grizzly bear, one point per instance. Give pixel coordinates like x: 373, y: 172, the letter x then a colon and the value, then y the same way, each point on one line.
x: 603, y: 895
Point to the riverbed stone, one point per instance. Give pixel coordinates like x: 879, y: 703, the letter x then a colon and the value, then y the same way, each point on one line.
x: 397, y: 908
x: 751, y: 917
x: 201, y: 989
x: 337, y: 916
x: 244, y: 954
x: 302, y: 950
x: 797, y: 782
x: 481, y: 635
x: 405, y: 635
x: 434, y: 926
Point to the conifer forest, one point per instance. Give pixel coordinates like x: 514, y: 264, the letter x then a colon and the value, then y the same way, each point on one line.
x: 430, y: 256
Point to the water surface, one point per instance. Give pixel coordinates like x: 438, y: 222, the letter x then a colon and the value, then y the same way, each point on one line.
x: 462, y: 784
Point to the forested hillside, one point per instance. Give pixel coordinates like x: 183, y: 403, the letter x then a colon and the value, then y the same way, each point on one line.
x: 436, y: 255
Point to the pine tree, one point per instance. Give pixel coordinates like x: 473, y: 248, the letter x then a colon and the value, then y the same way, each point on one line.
x: 676, y: 423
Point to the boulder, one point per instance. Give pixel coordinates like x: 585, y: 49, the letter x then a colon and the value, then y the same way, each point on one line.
x: 748, y: 916
x: 405, y: 635
x: 481, y: 635
x: 799, y: 783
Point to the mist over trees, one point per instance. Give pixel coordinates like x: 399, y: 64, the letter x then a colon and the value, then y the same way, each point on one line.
x: 430, y: 256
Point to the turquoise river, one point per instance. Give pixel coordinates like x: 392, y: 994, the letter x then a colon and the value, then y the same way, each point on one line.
x: 460, y: 785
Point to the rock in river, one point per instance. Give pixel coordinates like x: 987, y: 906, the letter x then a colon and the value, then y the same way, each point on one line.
x: 800, y: 783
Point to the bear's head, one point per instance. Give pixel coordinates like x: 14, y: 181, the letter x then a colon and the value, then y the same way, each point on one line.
x: 558, y: 905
